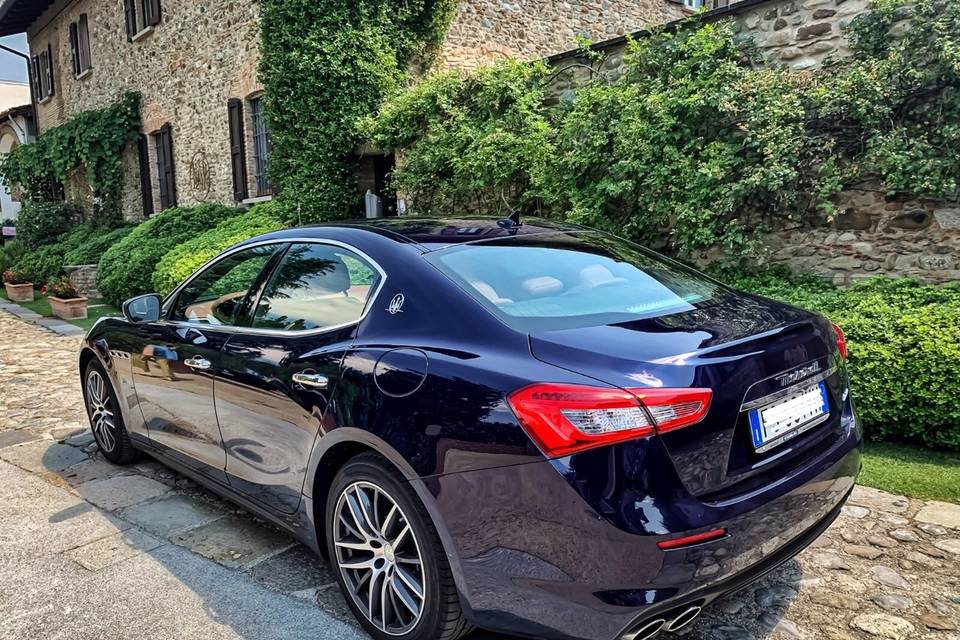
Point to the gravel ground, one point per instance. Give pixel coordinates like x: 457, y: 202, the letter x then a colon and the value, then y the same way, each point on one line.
x: 89, y: 550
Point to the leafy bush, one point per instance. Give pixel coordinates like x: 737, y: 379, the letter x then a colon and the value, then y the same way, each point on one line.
x: 10, y: 253
x: 181, y: 261
x: 61, y: 288
x: 16, y: 276
x: 44, y: 263
x: 904, y: 340
x: 41, y: 222
x: 126, y: 269
x: 89, y: 247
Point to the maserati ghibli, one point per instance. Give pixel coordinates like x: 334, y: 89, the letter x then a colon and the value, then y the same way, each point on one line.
x: 520, y: 426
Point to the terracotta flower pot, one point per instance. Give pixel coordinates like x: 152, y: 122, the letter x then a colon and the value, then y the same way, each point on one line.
x: 19, y: 292
x: 72, y: 309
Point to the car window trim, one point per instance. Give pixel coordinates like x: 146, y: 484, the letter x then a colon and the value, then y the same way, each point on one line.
x: 168, y: 303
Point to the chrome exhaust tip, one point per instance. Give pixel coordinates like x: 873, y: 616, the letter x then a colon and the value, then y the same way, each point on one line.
x: 684, y: 619
x: 645, y: 632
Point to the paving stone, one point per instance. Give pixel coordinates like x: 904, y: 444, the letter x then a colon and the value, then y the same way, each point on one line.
x: 777, y: 595
x: 853, y: 511
x: 904, y: 535
x: 892, y: 602
x: 835, y: 600
x: 923, y: 560
x: 940, y: 513
x: 234, y: 541
x: 938, y: 621
x: 90, y: 470
x: 108, y: 551
x: 295, y: 570
x: 11, y: 438
x: 80, y: 439
x: 43, y: 456
x: 885, y: 542
x: 879, y: 500
x: 889, y: 578
x: 932, y: 529
x: 171, y: 515
x: 950, y: 545
x: 830, y: 560
x: 869, y: 553
x: 883, y: 625
x: 121, y: 491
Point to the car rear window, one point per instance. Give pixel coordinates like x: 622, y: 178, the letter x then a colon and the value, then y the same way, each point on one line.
x: 568, y: 280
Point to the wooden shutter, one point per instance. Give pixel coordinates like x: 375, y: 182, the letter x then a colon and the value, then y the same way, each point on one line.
x: 50, y: 87
x: 168, y: 181
x: 75, y: 48
x: 146, y: 185
x: 130, y: 15
x: 83, y: 43
x: 238, y: 154
x: 152, y: 17
x: 37, y: 87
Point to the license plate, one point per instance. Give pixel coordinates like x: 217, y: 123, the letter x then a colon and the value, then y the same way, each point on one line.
x: 776, y: 423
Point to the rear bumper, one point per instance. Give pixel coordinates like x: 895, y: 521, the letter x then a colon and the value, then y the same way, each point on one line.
x: 540, y: 554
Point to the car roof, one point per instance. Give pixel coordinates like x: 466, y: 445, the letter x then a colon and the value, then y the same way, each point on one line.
x: 437, y: 233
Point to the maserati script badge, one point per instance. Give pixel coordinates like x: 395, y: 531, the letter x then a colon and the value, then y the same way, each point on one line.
x: 796, y: 376
x: 396, y: 305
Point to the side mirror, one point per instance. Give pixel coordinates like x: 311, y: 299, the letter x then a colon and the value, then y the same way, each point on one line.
x: 143, y: 308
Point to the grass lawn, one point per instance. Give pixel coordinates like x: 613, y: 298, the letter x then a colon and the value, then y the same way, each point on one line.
x: 96, y: 309
x: 912, y: 471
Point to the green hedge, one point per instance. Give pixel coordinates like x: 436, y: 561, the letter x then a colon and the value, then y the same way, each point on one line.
x: 904, y: 340
x: 181, y: 261
x: 41, y: 223
x: 126, y: 269
x: 84, y: 244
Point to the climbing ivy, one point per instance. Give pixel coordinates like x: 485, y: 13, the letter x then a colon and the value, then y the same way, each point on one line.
x: 325, y: 64
x: 92, y: 141
x: 698, y: 142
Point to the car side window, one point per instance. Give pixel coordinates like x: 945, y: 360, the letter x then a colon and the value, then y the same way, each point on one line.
x: 216, y: 296
x: 316, y: 286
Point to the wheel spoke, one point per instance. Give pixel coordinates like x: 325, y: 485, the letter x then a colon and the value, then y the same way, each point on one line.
x: 354, y: 546
x: 410, y: 581
x: 356, y: 512
x: 372, y: 599
x: 357, y: 565
x: 384, y: 591
x: 385, y: 529
x: 405, y: 597
x: 400, y: 536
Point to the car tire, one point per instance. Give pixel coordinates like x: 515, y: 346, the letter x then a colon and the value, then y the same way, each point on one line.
x: 369, y: 488
x: 106, y: 419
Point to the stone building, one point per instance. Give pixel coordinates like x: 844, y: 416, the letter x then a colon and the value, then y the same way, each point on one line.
x: 16, y: 128
x: 204, y: 138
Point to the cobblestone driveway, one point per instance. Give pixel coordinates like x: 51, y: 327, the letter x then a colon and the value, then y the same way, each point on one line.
x: 889, y: 567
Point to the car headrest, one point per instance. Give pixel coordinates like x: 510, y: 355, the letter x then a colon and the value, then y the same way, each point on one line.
x: 334, y: 278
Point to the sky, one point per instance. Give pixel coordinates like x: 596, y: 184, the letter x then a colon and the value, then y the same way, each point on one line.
x: 13, y: 67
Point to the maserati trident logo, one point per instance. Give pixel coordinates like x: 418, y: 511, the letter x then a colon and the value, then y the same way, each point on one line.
x: 793, y: 377
x: 396, y: 305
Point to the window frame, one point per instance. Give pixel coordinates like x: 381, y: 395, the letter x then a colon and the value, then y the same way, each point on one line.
x: 45, y: 85
x: 164, y: 156
x: 170, y: 302
x: 80, y: 55
x: 138, y: 15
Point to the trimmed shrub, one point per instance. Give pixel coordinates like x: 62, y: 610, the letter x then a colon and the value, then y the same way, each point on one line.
x: 90, y: 247
x: 44, y: 263
x: 126, y: 269
x: 41, y: 222
x: 84, y: 244
x: 181, y: 261
x: 904, y: 340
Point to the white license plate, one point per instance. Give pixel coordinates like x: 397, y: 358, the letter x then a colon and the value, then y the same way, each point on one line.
x: 776, y: 423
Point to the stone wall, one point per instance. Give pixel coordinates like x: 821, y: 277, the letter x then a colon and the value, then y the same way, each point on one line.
x: 84, y: 278
x: 487, y: 30
x: 198, y: 57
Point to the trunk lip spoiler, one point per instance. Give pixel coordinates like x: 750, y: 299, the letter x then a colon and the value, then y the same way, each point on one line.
x: 782, y: 393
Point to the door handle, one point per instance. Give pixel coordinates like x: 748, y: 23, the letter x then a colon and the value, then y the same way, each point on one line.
x: 313, y: 380
x: 201, y: 364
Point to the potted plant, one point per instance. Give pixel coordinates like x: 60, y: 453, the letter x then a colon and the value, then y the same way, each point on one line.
x: 18, y: 285
x: 65, y: 301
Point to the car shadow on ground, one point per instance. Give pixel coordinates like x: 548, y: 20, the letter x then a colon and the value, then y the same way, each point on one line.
x: 255, y: 597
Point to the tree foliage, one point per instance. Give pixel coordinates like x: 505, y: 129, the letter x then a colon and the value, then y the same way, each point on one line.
x: 698, y: 142
x: 326, y: 64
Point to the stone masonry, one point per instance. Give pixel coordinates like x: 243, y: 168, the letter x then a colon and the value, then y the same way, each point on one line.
x: 203, y: 54
x: 888, y: 569
x: 873, y: 233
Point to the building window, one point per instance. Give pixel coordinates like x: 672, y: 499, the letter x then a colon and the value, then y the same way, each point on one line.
x: 146, y: 185
x: 140, y: 16
x: 238, y: 151
x: 165, y: 172
x: 80, y: 46
x: 43, y: 74
x: 261, y: 148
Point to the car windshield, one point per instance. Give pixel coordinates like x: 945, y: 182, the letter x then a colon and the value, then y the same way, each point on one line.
x: 569, y: 280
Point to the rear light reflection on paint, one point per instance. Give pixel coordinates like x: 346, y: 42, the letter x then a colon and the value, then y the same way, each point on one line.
x: 689, y: 541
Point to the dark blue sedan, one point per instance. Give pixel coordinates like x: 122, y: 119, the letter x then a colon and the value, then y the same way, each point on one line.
x: 525, y: 427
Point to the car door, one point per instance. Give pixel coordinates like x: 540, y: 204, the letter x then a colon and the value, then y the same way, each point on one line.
x: 279, y: 374
x: 176, y: 359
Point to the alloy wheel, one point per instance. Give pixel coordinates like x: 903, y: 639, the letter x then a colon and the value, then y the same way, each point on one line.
x: 101, y: 412
x: 379, y: 558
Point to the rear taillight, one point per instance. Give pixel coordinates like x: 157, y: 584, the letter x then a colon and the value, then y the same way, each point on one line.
x: 841, y: 341
x: 564, y: 419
